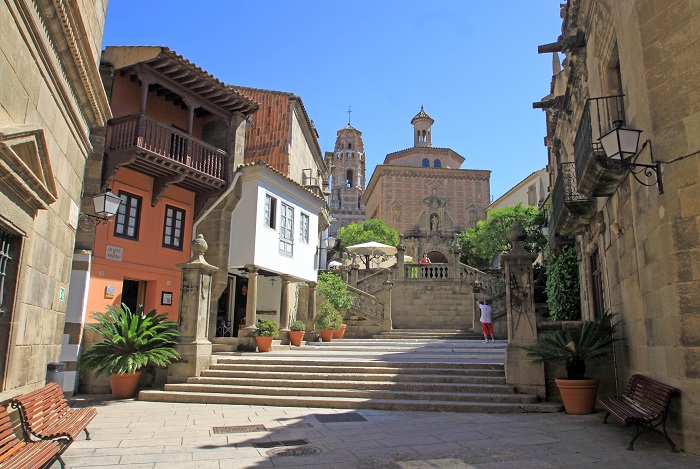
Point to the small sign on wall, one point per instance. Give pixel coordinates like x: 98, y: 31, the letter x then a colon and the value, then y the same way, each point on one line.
x: 114, y: 253
x: 166, y: 298
x: 110, y: 290
x: 61, y: 294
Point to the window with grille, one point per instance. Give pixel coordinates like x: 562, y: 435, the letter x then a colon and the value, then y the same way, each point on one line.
x: 597, y: 284
x: 126, y: 223
x: 286, y: 230
x: 270, y: 211
x: 9, y: 249
x: 304, y: 228
x: 174, y: 227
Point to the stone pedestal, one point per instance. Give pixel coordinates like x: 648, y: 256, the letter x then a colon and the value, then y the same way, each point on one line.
x: 521, y: 370
x: 195, y: 292
x: 387, y: 324
x: 400, y: 259
x: 311, y: 309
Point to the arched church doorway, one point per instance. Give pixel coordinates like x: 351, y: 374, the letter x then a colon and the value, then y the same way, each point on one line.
x: 436, y: 257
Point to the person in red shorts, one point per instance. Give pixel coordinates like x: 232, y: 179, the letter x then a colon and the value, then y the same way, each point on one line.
x: 486, y: 322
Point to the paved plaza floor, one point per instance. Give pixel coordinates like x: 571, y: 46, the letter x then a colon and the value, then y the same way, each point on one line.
x: 148, y: 435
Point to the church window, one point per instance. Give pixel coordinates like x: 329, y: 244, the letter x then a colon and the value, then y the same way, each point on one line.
x: 426, y: 163
x: 437, y: 164
x: 349, y: 146
x: 348, y: 179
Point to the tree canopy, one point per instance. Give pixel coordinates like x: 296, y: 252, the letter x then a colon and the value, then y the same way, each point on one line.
x: 480, y: 245
x: 366, y: 231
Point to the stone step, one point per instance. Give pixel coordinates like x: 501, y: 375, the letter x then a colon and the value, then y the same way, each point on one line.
x: 367, y: 377
x: 394, y: 394
x: 283, y: 360
x: 426, y: 386
x: 347, y: 402
x: 359, y: 368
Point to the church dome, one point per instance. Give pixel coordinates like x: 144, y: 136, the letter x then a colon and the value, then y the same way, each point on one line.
x: 422, y: 115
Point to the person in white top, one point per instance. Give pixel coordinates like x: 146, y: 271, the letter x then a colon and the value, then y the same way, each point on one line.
x: 486, y: 322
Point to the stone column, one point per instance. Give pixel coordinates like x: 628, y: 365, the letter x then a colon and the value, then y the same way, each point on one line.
x: 195, y: 292
x: 387, y: 324
x: 311, y: 311
x: 400, y: 252
x: 456, y: 263
x: 284, y: 303
x: 354, y: 271
x: 521, y: 370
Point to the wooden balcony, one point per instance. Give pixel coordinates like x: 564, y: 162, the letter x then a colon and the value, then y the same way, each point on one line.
x: 571, y: 211
x: 145, y: 145
x: 597, y: 175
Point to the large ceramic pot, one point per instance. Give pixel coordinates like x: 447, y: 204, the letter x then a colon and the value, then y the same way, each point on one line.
x: 124, y: 385
x: 578, y: 395
x: 296, y: 337
x: 264, y: 343
x: 340, y: 333
x: 327, y: 335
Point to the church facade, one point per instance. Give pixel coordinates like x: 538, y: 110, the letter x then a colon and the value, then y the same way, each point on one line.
x: 424, y: 194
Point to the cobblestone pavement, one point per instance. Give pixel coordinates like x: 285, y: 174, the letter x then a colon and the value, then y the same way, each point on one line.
x: 148, y: 435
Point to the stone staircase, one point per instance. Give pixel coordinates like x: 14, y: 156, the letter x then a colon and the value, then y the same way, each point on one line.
x: 407, y: 371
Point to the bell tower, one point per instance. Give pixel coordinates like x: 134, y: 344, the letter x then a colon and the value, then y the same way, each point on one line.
x: 421, y: 129
x: 347, y: 170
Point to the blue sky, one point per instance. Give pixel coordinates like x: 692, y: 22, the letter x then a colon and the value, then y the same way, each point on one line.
x: 473, y: 64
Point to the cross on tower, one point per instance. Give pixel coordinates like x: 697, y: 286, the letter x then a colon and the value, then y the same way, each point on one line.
x: 349, y: 111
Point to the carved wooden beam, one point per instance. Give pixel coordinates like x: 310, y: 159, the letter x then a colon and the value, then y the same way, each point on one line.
x: 112, y: 165
x: 160, y: 184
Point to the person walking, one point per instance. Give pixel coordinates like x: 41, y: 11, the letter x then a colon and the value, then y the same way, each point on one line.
x: 486, y: 322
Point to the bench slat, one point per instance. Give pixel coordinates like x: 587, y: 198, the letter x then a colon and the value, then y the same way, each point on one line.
x: 16, y: 454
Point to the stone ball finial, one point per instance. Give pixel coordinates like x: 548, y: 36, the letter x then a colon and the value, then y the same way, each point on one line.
x: 516, y: 232
x: 199, y: 246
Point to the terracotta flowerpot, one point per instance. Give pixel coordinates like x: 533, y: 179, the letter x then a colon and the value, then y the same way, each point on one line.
x: 340, y: 333
x: 264, y: 343
x: 124, y: 385
x: 295, y: 338
x: 578, y: 395
x: 327, y: 335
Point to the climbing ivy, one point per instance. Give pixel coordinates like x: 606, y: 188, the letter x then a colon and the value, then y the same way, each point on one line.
x: 563, y: 288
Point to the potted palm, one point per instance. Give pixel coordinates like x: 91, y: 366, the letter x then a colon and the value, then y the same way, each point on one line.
x: 130, y: 341
x: 574, y: 348
x: 328, y: 320
x: 265, y: 331
x: 297, y: 329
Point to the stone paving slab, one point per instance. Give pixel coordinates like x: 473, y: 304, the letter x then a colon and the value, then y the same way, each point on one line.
x: 153, y: 435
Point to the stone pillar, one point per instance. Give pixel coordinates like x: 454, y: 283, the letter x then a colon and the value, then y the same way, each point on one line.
x: 456, y: 263
x: 521, y: 370
x: 354, y: 271
x: 311, y: 311
x: 284, y: 303
x: 400, y: 252
x: 387, y: 324
x: 195, y: 292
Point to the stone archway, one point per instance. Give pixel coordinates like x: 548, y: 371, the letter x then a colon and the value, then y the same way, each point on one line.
x: 436, y: 257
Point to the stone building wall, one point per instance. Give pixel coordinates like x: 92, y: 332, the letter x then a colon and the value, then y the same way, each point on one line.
x: 432, y: 304
x: 647, y: 243
x: 50, y: 98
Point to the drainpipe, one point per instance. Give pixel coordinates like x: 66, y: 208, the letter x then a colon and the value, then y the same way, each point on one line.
x: 214, y: 205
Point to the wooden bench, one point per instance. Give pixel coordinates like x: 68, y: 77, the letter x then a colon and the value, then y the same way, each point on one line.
x: 644, y: 404
x: 46, y: 415
x: 18, y: 454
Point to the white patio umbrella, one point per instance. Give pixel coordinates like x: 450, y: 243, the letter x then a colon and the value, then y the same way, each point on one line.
x: 371, y: 250
x: 334, y: 264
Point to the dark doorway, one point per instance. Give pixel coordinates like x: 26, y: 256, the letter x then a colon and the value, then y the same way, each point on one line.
x: 241, y: 302
x: 10, y: 248
x: 133, y: 293
x: 436, y: 257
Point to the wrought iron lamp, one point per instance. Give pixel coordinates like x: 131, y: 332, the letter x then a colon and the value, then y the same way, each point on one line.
x: 620, y: 145
x: 106, y: 206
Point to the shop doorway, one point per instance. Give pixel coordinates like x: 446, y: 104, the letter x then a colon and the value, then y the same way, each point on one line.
x: 133, y: 293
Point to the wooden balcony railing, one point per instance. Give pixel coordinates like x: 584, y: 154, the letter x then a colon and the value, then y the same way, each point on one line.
x: 140, y: 131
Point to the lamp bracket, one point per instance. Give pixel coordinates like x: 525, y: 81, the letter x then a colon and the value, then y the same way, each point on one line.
x: 648, y: 171
x: 89, y: 222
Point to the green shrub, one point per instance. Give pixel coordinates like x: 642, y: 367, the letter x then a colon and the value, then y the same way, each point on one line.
x: 328, y: 318
x: 130, y: 341
x: 563, y: 289
x: 334, y: 290
x: 297, y: 326
x: 267, y: 328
